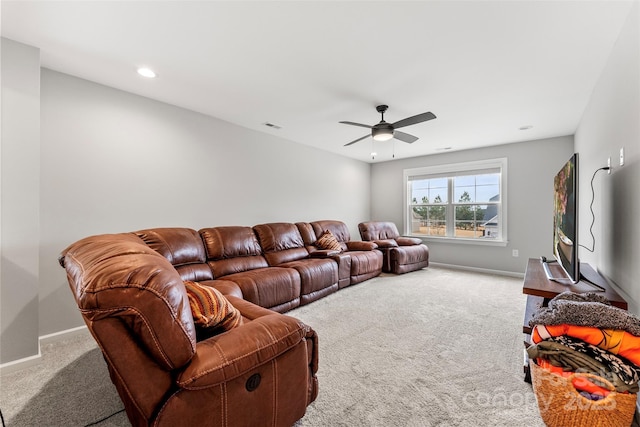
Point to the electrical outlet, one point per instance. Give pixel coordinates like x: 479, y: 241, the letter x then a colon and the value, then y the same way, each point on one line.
x: 515, y: 253
x: 622, y: 156
x: 609, y: 165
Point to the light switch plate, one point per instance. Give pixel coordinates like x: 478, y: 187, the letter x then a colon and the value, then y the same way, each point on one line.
x: 622, y: 156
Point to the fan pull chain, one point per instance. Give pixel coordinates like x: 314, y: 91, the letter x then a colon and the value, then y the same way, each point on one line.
x: 393, y: 152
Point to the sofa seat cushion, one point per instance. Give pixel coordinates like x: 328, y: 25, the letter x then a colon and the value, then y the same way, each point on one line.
x: 365, y: 265
x: 410, y: 254
x: 276, y: 288
x: 408, y: 258
x: 315, y: 274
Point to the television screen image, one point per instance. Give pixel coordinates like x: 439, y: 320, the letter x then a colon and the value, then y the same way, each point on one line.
x: 565, y: 219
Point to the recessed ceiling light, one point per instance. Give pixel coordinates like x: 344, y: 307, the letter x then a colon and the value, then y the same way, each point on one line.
x: 146, y: 72
x: 527, y: 127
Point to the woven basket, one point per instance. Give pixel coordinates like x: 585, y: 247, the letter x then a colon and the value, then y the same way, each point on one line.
x: 562, y: 406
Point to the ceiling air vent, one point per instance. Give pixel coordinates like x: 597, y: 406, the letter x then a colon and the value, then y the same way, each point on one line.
x: 271, y: 125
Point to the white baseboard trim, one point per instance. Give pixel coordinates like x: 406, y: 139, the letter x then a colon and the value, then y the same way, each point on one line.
x: 16, y: 365
x: 68, y: 333
x: 26, y: 362
x: 478, y: 270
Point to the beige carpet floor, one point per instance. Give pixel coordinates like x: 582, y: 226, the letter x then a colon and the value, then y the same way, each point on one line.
x: 437, y: 347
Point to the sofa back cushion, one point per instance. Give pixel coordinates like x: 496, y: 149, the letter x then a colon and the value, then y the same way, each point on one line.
x: 281, y: 242
x: 183, y: 248
x: 117, y: 277
x: 378, y: 230
x: 306, y: 232
x: 232, y: 249
x: 338, y: 228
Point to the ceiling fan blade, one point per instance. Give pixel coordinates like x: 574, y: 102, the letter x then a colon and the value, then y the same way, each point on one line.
x: 405, y: 137
x: 414, y: 119
x: 359, y: 139
x: 357, y: 124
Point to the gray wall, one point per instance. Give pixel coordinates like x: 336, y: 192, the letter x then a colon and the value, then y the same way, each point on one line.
x: 111, y: 161
x: 531, y: 168
x: 19, y: 204
x: 610, y: 122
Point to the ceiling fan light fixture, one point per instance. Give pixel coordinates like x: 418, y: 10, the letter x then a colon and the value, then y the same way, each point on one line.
x: 382, y: 134
x: 384, y: 131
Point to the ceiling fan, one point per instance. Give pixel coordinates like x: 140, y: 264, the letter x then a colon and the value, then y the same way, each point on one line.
x: 384, y: 131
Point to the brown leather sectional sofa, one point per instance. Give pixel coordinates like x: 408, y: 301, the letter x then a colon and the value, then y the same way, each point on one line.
x: 275, y: 265
x: 129, y: 288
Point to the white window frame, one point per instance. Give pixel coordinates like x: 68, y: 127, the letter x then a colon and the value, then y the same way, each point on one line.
x: 451, y: 170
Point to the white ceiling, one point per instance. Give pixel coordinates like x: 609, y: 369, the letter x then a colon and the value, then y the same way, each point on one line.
x: 484, y: 68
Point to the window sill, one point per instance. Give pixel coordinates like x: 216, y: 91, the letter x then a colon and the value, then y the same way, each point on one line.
x: 461, y: 241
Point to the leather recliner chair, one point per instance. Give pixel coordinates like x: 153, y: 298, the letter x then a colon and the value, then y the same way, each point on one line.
x: 136, y: 307
x: 401, y: 254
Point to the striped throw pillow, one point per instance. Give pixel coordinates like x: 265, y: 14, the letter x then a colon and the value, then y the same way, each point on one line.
x: 211, y: 311
x: 328, y: 241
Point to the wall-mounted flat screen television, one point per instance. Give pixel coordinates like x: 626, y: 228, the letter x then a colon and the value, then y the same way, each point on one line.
x: 565, y: 219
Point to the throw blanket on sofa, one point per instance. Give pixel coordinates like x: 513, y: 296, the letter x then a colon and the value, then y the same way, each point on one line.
x: 589, y: 309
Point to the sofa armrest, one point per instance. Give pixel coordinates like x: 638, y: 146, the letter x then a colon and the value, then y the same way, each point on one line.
x: 231, y: 354
x: 360, y: 246
x: 387, y: 243
x: 323, y: 253
x: 408, y: 241
x: 249, y: 310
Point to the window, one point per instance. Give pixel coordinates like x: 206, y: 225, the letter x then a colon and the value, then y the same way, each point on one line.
x: 463, y: 202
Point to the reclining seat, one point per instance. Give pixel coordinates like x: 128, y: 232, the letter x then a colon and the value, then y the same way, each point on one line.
x: 366, y: 262
x: 283, y: 247
x: 343, y: 259
x: 401, y: 254
x: 234, y: 253
x: 135, y: 305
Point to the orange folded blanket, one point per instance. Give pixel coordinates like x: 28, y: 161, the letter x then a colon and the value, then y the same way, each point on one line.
x: 614, y: 341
